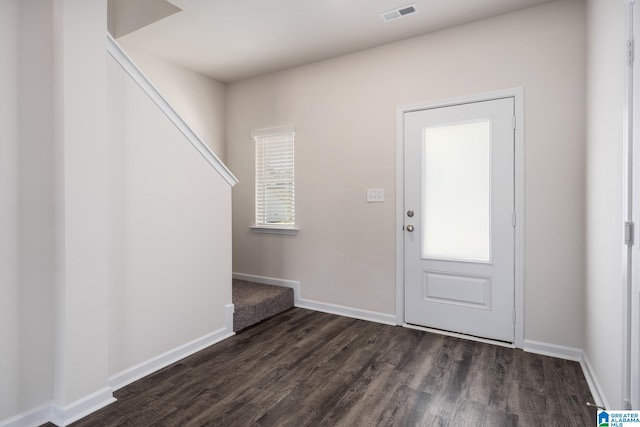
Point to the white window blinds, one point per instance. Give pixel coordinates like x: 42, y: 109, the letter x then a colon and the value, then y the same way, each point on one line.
x: 275, y: 188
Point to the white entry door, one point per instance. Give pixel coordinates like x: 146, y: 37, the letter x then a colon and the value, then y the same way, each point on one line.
x: 459, y: 218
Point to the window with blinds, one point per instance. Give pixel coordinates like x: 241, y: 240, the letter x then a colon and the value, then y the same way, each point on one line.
x: 275, y: 187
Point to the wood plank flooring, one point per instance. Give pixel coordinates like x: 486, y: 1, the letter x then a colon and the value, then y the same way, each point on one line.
x: 305, y: 368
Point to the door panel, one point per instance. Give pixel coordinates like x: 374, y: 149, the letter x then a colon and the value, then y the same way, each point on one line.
x: 457, y: 289
x: 459, y: 204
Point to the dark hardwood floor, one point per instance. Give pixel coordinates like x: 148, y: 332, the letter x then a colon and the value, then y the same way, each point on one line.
x: 307, y: 368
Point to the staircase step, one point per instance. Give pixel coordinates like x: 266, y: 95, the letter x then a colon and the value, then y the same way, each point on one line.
x: 255, y: 302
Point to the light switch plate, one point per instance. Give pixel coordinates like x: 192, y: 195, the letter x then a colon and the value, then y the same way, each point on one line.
x: 375, y: 195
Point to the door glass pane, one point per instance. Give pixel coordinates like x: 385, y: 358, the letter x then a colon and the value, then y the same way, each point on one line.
x: 456, y: 175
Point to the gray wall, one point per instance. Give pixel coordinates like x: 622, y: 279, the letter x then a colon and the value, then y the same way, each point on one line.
x: 344, y: 110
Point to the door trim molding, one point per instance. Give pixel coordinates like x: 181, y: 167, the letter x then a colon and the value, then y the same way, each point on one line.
x: 518, y: 95
x: 630, y: 357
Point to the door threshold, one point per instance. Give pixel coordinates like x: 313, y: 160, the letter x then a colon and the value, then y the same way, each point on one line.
x: 459, y: 335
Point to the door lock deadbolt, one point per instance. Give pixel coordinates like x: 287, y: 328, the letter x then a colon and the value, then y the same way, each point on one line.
x: 409, y: 213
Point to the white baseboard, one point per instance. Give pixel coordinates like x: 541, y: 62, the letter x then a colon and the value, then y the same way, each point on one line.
x: 298, y: 301
x: 65, y: 415
x: 545, y: 349
x: 31, y: 418
x: 355, y: 313
x: 62, y: 415
x: 553, y: 350
x: 143, y: 369
x: 594, y: 385
x: 576, y: 355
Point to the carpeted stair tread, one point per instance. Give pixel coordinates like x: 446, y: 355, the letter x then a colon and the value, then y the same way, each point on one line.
x: 254, y: 302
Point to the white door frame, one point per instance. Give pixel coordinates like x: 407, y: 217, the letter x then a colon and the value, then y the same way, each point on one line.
x: 631, y: 214
x: 518, y: 96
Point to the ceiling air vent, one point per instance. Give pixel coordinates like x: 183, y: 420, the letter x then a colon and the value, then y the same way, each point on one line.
x: 390, y: 15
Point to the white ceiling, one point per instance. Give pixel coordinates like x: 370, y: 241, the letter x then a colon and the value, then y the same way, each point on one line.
x: 230, y: 40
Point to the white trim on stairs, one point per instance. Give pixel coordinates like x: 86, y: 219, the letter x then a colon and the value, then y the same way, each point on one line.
x: 127, y: 64
x: 229, y: 309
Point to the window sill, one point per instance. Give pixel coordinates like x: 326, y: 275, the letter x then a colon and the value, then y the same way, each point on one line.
x: 265, y: 229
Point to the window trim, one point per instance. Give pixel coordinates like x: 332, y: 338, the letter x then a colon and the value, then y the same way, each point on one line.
x: 290, y: 229
x: 279, y: 229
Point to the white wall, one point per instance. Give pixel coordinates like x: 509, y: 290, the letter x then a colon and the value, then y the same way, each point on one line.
x: 344, y: 113
x: 80, y: 89
x: 198, y: 99
x: 173, y: 255
x: 26, y: 204
x: 126, y: 16
x: 606, y: 40
x: 9, y: 287
x: 170, y: 233
x: 35, y: 201
x: 170, y: 238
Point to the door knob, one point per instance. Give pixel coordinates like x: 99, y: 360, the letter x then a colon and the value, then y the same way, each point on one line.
x: 409, y: 228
